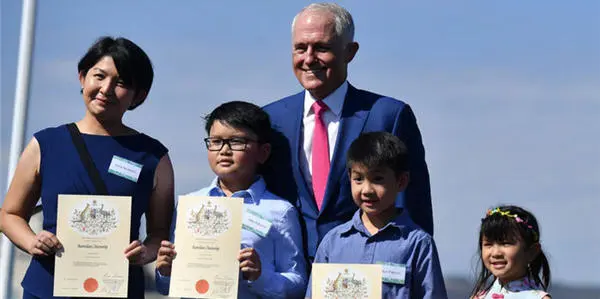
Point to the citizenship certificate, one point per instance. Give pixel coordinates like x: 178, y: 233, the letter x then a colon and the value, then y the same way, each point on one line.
x: 94, y: 232
x: 207, y: 240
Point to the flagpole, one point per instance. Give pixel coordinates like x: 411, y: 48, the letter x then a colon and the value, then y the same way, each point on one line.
x: 18, y: 130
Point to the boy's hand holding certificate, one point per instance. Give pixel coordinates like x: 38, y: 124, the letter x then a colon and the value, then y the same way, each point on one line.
x: 208, y: 234
x: 94, y: 231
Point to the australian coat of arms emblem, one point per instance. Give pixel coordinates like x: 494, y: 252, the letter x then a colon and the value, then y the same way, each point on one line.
x: 209, y: 219
x: 94, y: 219
x: 345, y: 284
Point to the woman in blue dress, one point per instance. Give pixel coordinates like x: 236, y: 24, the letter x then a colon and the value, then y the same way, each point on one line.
x: 116, y: 76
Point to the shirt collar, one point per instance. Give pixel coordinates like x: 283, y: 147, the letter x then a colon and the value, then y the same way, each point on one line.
x: 399, y: 222
x: 518, y: 285
x: 335, y: 100
x: 250, y: 195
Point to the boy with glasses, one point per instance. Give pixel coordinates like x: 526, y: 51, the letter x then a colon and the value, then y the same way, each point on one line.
x: 272, y: 264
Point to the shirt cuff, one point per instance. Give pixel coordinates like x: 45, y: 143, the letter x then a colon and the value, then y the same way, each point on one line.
x: 259, y: 285
x: 162, y: 283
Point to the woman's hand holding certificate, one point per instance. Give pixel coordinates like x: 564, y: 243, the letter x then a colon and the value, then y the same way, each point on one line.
x: 44, y: 243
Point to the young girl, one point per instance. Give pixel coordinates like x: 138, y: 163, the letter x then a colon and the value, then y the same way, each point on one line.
x: 509, y: 244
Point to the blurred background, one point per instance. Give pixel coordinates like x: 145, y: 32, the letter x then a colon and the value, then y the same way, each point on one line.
x: 506, y: 94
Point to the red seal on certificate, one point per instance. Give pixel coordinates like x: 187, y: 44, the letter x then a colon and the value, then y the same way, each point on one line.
x: 90, y: 285
x: 202, y: 286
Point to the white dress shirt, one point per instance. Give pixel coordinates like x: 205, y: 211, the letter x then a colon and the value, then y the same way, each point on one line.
x: 331, y: 117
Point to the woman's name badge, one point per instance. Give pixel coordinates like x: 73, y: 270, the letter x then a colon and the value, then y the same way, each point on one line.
x: 255, y: 222
x: 125, y: 168
x: 393, y: 273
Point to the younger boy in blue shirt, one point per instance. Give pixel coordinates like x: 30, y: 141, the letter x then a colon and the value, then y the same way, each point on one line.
x: 272, y: 264
x: 380, y: 232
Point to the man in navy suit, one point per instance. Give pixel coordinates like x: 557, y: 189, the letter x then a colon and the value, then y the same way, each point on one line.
x: 314, y: 128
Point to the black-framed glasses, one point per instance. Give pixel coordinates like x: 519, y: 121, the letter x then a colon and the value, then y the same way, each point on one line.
x: 235, y: 144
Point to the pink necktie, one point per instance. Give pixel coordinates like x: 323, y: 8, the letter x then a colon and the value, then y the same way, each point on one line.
x: 320, y: 153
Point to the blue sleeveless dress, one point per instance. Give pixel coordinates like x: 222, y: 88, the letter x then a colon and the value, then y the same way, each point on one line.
x: 62, y: 172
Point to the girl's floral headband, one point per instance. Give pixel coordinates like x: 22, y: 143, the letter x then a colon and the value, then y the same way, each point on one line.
x: 517, y: 219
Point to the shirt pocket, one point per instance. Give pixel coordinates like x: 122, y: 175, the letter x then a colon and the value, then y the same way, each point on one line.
x: 398, y: 290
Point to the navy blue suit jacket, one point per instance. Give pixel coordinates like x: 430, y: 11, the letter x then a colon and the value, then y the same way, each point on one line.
x: 362, y: 111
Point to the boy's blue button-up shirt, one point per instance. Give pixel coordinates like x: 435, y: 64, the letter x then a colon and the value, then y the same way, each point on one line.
x: 399, y: 242
x: 283, y: 272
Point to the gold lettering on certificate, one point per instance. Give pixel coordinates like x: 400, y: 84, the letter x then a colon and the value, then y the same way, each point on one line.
x: 205, y: 247
x: 90, y: 246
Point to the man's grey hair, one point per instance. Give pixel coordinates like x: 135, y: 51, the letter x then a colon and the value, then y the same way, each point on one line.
x: 344, y: 25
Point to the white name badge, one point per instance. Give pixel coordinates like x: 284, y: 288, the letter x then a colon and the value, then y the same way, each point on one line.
x: 393, y: 273
x: 125, y: 168
x: 256, y: 223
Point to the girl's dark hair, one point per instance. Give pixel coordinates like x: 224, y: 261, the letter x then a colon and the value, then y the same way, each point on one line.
x: 500, y: 225
x: 132, y: 63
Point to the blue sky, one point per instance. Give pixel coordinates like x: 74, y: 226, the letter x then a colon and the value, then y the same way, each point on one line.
x: 507, y: 96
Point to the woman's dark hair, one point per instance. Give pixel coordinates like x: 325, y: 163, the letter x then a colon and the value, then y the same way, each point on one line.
x: 132, y: 63
x: 511, y: 223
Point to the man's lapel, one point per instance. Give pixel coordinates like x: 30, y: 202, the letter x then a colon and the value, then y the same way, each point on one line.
x: 295, y: 111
